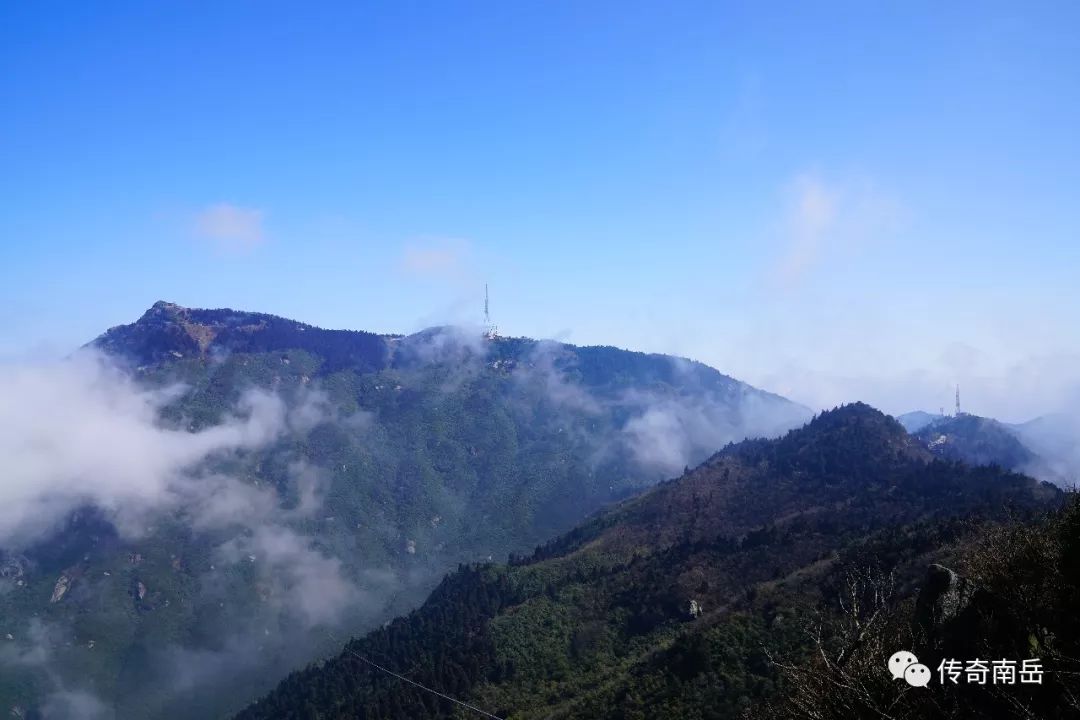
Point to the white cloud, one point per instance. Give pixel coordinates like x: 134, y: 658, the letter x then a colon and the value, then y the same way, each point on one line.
x: 79, y: 431
x: 299, y: 580
x: 82, y: 432
x: 668, y: 433
x: 231, y: 227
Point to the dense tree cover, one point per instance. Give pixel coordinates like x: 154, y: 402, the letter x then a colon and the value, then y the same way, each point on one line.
x: 448, y: 644
x: 977, y: 441
x: 676, y: 604
x: 1013, y: 599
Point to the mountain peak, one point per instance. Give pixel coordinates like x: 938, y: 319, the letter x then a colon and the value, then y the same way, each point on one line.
x: 865, y: 425
x: 167, y: 332
x: 161, y: 310
x: 856, y: 435
x: 858, y: 414
x: 856, y: 419
x: 166, y: 305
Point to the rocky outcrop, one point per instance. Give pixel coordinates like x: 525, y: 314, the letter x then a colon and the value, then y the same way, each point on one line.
x: 956, y: 617
x: 12, y: 568
x: 944, y: 596
x: 63, y: 584
x: 693, y: 609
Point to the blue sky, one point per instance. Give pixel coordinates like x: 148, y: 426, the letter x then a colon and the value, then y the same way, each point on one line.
x: 832, y: 200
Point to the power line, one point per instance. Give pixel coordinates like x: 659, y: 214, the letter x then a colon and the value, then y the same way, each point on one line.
x: 466, y: 705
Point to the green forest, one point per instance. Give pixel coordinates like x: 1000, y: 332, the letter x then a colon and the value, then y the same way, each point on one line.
x: 726, y: 593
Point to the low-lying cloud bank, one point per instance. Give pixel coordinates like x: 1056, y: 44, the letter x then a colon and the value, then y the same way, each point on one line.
x: 80, y: 432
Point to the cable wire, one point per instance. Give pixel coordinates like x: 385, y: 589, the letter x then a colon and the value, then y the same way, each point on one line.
x: 466, y: 705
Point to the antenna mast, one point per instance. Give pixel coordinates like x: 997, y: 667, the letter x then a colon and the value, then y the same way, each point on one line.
x: 958, y: 400
x: 490, y: 331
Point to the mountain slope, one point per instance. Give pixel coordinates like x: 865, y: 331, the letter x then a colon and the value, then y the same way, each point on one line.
x: 664, y: 606
x: 1045, y: 447
x: 915, y: 421
x: 977, y: 441
x: 1055, y: 441
x: 1008, y: 593
x: 302, y: 480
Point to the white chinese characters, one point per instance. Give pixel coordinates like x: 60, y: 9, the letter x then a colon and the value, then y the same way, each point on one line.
x: 904, y: 665
x: 993, y: 672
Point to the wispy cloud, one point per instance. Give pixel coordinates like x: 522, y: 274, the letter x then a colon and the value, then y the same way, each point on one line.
x: 824, y: 218
x: 231, y: 228
x: 439, y: 258
x: 811, y: 215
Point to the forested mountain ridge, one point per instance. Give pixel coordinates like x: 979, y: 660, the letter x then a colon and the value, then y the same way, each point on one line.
x: 671, y: 604
x: 168, y: 332
x: 976, y: 441
x: 320, y: 480
x: 1045, y: 447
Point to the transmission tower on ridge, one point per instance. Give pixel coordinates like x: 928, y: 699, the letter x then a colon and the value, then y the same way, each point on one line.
x: 958, y: 413
x: 490, y: 331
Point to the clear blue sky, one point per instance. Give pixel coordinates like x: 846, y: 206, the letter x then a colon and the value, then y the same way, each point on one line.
x: 832, y: 200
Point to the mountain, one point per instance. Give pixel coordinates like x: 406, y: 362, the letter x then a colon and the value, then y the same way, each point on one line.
x: 977, y: 441
x: 1045, y: 447
x: 675, y: 603
x: 917, y: 420
x: 1055, y: 441
x: 211, y: 495
x: 168, y: 332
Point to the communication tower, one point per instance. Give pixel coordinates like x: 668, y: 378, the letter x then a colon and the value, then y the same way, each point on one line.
x: 490, y: 331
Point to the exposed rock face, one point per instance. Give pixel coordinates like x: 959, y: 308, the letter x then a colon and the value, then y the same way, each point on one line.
x: 958, y: 618
x: 168, y: 332
x: 63, y: 584
x: 944, y: 596
x: 12, y: 568
x: 693, y: 609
